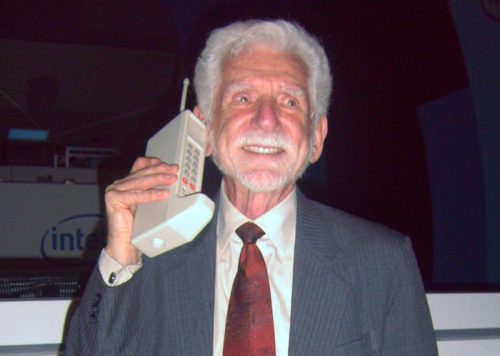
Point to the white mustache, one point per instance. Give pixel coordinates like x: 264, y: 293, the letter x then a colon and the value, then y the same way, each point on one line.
x: 275, y: 140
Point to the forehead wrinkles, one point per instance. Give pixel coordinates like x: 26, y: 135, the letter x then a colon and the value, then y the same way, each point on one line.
x: 237, y: 86
x: 262, y: 58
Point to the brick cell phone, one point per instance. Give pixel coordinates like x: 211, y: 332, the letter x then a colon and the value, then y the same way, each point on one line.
x: 162, y: 226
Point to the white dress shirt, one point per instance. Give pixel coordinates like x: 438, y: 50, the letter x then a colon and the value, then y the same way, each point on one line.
x: 276, y: 246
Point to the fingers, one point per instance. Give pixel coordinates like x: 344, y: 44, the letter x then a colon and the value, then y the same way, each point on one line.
x: 148, y: 182
x: 144, y: 181
x: 145, y: 162
x: 147, y: 173
x: 117, y: 200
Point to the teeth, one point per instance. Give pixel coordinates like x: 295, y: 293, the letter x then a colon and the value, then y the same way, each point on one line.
x: 263, y: 150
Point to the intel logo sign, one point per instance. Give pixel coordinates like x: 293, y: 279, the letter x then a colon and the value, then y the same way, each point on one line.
x: 76, y: 236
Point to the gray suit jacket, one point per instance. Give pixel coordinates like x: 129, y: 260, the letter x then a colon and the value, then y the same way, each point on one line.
x: 356, y: 291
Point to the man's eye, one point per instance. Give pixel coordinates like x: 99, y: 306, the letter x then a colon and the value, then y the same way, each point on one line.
x: 291, y: 102
x: 243, y: 99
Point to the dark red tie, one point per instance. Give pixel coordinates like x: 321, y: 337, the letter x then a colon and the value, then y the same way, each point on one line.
x: 249, y: 323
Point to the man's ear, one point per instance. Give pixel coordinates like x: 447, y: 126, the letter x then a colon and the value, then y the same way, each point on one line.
x: 319, y: 138
x: 197, y: 112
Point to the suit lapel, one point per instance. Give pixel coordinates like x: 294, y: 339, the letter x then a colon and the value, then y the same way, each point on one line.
x: 319, y: 293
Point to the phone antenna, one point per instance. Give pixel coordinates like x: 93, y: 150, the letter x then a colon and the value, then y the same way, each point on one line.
x: 185, y: 86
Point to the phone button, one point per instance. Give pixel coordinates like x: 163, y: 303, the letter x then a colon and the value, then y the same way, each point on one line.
x: 157, y: 242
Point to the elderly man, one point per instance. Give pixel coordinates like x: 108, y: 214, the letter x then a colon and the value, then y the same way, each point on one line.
x: 273, y: 272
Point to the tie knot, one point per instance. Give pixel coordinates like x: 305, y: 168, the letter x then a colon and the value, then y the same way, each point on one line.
x: 249, y: 232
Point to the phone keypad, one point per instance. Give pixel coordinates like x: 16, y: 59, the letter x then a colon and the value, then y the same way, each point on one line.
x: 191, y: 168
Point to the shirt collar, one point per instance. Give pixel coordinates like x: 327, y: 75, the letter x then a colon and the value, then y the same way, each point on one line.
x: 278, y: 223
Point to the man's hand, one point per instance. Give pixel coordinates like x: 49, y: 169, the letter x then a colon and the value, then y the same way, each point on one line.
x: 139, y: 187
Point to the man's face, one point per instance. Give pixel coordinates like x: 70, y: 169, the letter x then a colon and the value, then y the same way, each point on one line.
x: 260, y: 131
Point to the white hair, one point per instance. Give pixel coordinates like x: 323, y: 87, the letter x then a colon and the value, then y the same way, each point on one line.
x: 278, y: 35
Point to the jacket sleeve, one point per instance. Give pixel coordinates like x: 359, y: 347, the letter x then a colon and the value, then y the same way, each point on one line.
x: 408, y: 326
x: 105, y: 319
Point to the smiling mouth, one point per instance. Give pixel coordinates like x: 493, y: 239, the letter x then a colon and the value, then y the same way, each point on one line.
x: 263, y: 150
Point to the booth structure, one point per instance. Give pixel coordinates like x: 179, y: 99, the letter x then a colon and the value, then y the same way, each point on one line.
x: 466, y: 324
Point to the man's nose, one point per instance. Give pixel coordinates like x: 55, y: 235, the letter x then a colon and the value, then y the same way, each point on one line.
x: 266, y: 117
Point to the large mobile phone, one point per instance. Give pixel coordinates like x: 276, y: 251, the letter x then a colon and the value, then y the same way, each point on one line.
x: 162, y: 226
